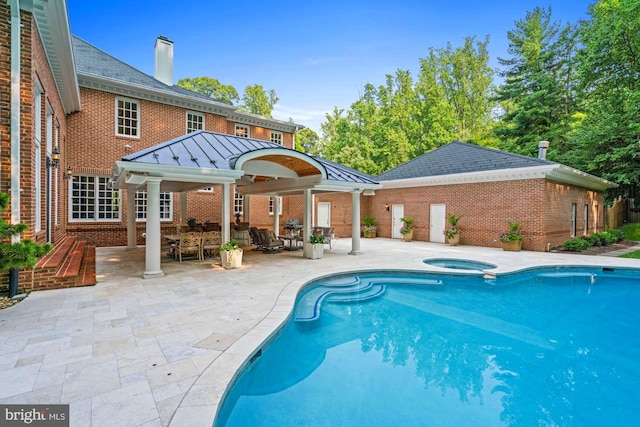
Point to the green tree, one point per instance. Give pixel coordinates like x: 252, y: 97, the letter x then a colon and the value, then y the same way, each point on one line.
x: 212, y: 88
x: 538, y: 95
x: 607, y: 141
x: 308, y: 142
x: 258, y: 101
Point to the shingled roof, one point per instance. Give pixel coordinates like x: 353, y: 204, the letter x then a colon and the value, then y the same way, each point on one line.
x: 460, y: 157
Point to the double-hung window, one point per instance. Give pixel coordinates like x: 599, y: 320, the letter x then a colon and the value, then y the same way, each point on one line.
x: 242, y: 130
x: 238, y: 202
x: 276, y: 137
x: 279, y: 205
x: 166, y: 211
x: 127, y: 117
x: 92, y: 200
x: 195, y: 121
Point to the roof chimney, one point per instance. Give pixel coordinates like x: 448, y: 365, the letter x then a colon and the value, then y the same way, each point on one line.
x: 542, y: 149
x: 164, y: 60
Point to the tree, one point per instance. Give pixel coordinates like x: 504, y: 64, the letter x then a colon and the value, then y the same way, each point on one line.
x: 308, y: 142
x: 258, y: 101
x: 14, y: 256
x: 212, y: 88
x: 538, y: 95
x: 608, y: 139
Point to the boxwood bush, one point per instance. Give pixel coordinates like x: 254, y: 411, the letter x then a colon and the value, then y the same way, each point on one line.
x: 602, y: 238
x: 576, y: 244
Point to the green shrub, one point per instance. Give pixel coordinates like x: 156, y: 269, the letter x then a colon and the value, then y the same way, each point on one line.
x: 595, y: 239
x: 576, y: 244
x: 609, y: 238
x: 619, y: 234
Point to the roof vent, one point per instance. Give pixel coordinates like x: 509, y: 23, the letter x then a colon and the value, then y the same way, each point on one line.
x: 542, y: 149
x: 164, y: 60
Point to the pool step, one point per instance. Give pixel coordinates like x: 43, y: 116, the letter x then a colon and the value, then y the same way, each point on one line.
x: 350, y: 289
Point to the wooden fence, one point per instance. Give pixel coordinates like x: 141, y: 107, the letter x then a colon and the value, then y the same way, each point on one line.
x: 623, y: 211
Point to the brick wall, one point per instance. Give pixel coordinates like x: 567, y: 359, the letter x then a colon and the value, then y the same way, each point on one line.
x: 542, y: 206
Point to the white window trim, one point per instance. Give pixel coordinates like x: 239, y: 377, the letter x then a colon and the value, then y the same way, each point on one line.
x: 95, y: 219
x: 240, y: 199
x: 275, y: 132
x: 193, y: 113
x: 271, y: 206
x: 241, y: 126
x: 574, y: 219
x: 122, y: 98
x: 206, y: 190
x: 37, y: 176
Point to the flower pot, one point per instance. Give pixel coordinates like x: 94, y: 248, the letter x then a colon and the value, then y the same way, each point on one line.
x: 407, y: 237
x: 513, y: 245
x: 314, y: 250
x: 454, y: 240
x: 231, y: 259
x: 369, y: 234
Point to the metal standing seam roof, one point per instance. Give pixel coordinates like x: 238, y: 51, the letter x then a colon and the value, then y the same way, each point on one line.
x: 204, y: 149
x: 460, y: 157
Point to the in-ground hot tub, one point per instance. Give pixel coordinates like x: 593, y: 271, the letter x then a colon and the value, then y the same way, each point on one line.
x: 459, y: 264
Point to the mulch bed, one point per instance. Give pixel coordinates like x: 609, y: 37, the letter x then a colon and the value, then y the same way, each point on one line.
x: 599, y: 250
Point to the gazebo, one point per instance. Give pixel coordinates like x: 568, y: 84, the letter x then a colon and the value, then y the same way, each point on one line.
x: 202, y: 158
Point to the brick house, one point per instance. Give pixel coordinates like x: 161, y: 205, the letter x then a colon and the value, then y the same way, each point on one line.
x: 488, y: 188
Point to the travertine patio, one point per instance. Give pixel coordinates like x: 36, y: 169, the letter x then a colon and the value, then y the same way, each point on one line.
x: 158, y: 352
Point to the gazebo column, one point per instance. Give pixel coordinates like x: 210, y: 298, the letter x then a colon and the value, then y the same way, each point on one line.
x: 226, y: 208
x: 131, y: 219
x: 306, y: 230
x: 276, y: 216
x: 152, y: 245
x: 355, y: 223
x: 183, y: 210
x: 246, y: 207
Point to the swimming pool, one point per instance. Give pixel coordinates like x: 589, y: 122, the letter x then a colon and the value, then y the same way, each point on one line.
x: 553, y: 346
x: 459, y: 264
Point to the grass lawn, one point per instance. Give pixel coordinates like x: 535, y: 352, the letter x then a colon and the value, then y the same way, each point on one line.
x: 631, y: 231
x: 635, y: 254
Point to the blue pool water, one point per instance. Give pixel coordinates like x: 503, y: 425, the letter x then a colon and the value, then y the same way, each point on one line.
x: 544, y: 347
x: 459, y: 264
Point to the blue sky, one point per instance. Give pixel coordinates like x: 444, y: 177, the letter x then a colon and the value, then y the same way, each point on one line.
x: 315, y: 54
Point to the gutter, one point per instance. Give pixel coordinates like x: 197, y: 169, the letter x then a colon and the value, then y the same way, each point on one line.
x: 15, y: 115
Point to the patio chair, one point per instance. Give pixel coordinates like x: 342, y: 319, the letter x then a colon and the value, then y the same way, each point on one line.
x: 269, y: 242
x: 256, y: 240
x: 211, y: 241
x: 189, y: 243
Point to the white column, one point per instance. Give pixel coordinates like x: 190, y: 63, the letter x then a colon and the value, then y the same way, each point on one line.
x: 131, y: 219
x: 183, y: 210
x: 306, y: 233
x: 355, y: 223
x: 276, y: 216
x: 226, y: 208
x: 152, y: 244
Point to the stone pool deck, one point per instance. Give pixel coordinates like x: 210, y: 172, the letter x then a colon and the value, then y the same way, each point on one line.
x: 160, y: 352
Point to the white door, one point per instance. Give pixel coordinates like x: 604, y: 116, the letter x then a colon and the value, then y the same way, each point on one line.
x: 397, y: 212
x: 324, y: 214
x: 437, y: 223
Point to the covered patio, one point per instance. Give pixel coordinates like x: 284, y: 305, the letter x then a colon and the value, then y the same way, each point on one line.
x: 202, y: 159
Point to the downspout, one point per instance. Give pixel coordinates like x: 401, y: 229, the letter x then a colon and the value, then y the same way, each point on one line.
x: 15, y: 115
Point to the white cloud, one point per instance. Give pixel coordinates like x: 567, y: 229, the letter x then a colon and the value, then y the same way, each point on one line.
x: 309, y: 118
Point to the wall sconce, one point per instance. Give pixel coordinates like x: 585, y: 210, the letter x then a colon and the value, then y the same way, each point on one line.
x: 54, y: 160
x: 386, y: 206
x: 68, y: 173
x: 127, y: 147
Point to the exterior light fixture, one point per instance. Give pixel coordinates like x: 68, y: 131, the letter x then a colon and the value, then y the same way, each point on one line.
x: 54, y: 160
x: 68, y: 173
x: 386, y: 206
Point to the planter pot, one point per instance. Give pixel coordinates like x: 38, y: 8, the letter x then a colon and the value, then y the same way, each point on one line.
x: 454, y: 240
x: 369, y: 234
x: 231, y: 259
x: 513, y: 246
x: 407, y: 237
x: 314, y: 250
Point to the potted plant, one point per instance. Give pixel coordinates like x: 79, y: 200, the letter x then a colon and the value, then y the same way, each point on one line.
x: 369, y: 227
x: 191, y: 222
x: 317, y: 246
x: 512, y: 237
x: 453, y: 232
x: 407, y: 228
x: 16, y: 256
x: 231, y: 254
